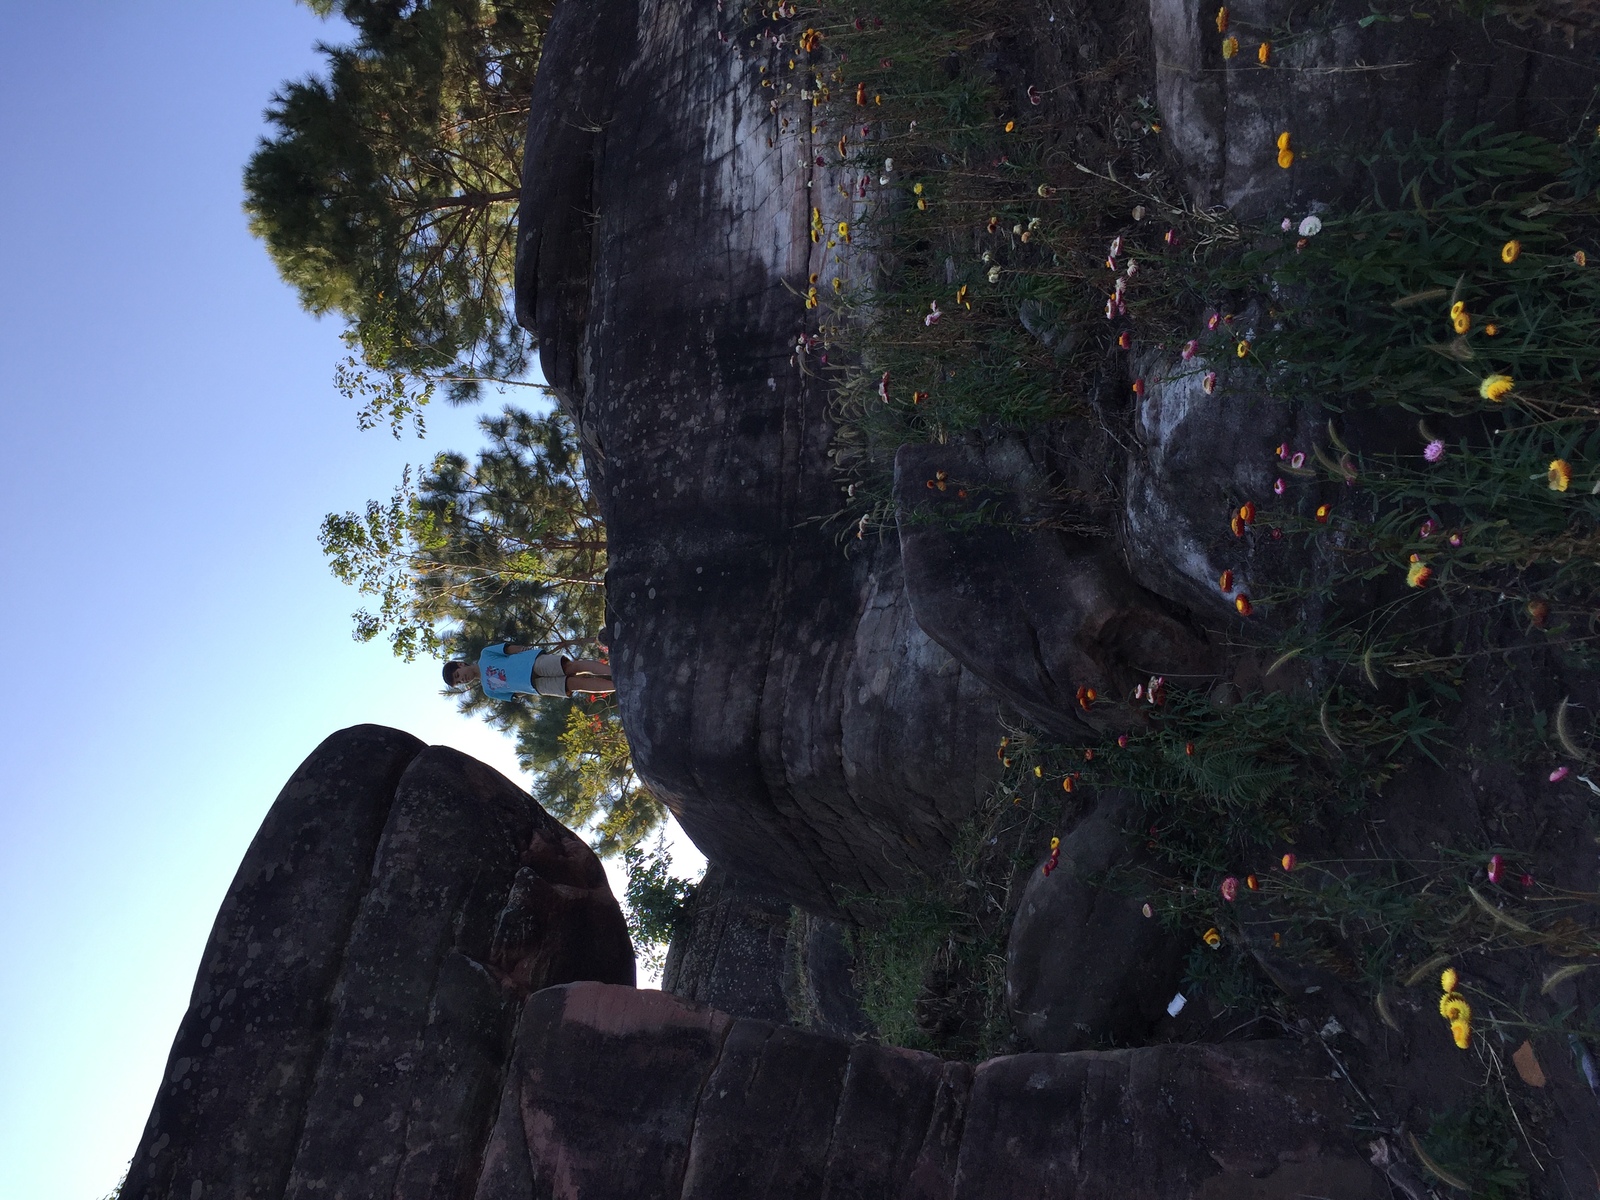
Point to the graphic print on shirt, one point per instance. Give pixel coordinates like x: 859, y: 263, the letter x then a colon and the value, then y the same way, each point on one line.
x: 497, y: 677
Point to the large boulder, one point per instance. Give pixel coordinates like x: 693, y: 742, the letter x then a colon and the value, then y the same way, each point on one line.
x: 624, y: 1094
x: 351, y: 1020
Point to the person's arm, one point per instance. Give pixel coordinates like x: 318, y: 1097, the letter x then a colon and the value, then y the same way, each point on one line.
x: 514, y: 648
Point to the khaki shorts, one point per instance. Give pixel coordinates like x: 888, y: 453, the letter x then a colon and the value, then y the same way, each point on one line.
x: 549, y: 676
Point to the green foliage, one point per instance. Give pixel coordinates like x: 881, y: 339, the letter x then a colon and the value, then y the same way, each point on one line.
x: 388, y: 191
x: 509, y: 546
x: 655, y: 899
x: 585, y: 777
x: 1476, y: 1142
x: 1216, y: 783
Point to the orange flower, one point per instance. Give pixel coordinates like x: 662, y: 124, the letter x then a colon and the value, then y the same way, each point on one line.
x: 1226, y: 581
x: 1237, y: 526
x: 1263, y: 52
x: 1066, y: 784
x: 1251, y: 882
x: 1289, y: 861
x: 1579, y: 257
x: 1010, y: 125
x: 1242, y: 603
x: 1222, y: 19
x: 1559, y: 476
x: 1491, y: 330
x: 1211, y: 937
x: 861, y: 93
x: 1247, y: 512
x: 1286, y: 159
x: 809, y: 40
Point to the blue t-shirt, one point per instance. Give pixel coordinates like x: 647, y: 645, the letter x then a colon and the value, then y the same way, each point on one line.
x: 504, y: 675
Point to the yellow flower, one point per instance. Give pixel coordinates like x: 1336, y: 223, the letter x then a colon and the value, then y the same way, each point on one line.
x: 1579, y: 257
x: 1263, y: 52
x: 1491, y: 329
x: 1243, y: 348
x: 1418, y: 573
x: 1230, y: 47
x: 1454, y: 1007
x: 844, y: 232
x: 1222, y: 19
x: 1559, y: 476
x: 1460, y: 319
x: 916, y: 189
x: 811, y: 297
x: 1448, y: 980
x: 1286, y: 159
x: 1509, y: 252
x: 838, y: 284
x: 1211, y: 937
x: 1495, y: 387
x: 1010, y: 125
x: 922, y: 204
x: 1283, y: 140
x: 1038, y: 772
x: 1462, y: 1032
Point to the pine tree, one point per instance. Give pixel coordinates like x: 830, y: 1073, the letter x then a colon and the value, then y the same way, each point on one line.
x: 388, y: 192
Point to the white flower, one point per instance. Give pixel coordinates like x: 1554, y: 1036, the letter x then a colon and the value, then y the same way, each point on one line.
x: 1133, y: 268
x: 933, y: 315
x: 888, y: 164
x: 1287, y: 225
x: 994, y: 274
x: 1311, y: 226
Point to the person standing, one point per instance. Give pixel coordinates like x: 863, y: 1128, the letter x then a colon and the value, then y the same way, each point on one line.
x: 507, y: 670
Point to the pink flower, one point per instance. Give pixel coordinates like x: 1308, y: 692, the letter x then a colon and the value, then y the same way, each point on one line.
x: 1209, y: 383
x: 933, y: 314
x: 1455, y: 539
x: 1277, y: 486
x: 1287, y: 225
x: 1297, y: 461
x: 1170, y: 237
x: 1230, y: 889
x: 1122, y: 739
x: 1497, y: 868
x: 1213, y: 320
x: 1559, y: 774
x: 883, y: 388
x: 1434, y: 451
x: 1189, y: 349
x: 1283, y: 451
x: 1429, y: 528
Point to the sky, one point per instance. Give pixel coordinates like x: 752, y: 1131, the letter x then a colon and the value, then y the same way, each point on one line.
x: 171, y: 442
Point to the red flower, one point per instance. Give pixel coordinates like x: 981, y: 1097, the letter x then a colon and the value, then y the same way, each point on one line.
x: 1138, y: 387
x: 1242, y: 603
x: 1124, y: 339
x: 1226, y: 581
x: 1289, y: 861
x: 1247, y: 512
x: 1122, y: 740
x: 1188, y: 748
x: 1324, y: 511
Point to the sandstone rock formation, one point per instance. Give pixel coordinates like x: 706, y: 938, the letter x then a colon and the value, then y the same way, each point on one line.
x: 622, y: 1093
x: 779, y: 696
x: 351, y: 1019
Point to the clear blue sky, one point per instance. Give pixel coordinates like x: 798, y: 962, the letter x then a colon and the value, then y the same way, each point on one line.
x: 171, y: 442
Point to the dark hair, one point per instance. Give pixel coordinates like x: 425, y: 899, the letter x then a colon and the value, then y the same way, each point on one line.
x: 450, y: 672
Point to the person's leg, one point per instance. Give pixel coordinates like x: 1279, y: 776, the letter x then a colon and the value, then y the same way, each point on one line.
x: 596, y: 685
x: 585, y: 666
